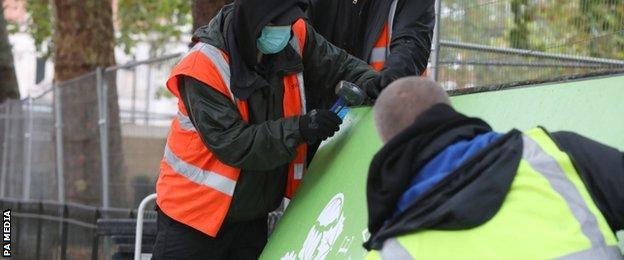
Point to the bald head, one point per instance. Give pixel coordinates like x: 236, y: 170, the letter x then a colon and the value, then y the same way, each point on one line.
x: 403, y: 101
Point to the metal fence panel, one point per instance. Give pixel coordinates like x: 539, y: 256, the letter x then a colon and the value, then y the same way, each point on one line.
x: 100, y: 133
x: 40, y: 126
x: 145, y: 112
x: 485, y: 43
x: 5, y: 110
x: 14, y: 159
x: 81, y: 140
x: 56, y: 141
x: 52, y: 230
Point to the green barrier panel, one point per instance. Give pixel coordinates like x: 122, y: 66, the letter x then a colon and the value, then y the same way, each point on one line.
x: 594, y: 108
x: 328, y: 217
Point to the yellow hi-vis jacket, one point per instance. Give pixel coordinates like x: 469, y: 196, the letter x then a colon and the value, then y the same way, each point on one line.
x: 547, y: 214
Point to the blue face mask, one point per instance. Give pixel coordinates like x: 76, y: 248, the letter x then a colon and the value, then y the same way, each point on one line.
x: 273, y: 39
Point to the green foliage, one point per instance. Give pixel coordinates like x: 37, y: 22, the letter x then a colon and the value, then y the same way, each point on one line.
x: 40, y: 25
x: 155, y: 22
x: 576, y: 27
x: 582, y: 27
x: 519, y: 34
x: 151, y: 21
x: 603, y: 20
x: 12, y: 27
x: 579, y: 27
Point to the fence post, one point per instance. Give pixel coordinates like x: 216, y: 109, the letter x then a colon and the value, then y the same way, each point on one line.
x: 95, y: 244
x: 147, y: 93
x: 64, y: 232
x: 58, y: 124
x: 102, y: 91
x: 435, y: 59
x: 5, y: 148
x: 39, y: 230
x: 19, y: 223
x: 28, y: 150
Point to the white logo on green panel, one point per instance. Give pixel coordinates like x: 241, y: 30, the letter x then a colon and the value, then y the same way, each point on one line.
x: 324, y: 233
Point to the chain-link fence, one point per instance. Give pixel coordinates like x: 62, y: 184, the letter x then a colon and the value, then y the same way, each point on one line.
x: 80, y: 151
x: 52, y: 230
x: 96, y: 139
x: 495, y: 42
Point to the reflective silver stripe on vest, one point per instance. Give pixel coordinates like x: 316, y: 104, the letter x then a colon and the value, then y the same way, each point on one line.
x: 198, y: 175
x: 608, y: 252
x: 393, y: 8
x: 294, y: 42
x: 215, y: 55
x: 195, y: 48
x: 302, y: 92
x: 378, y: 55
x: 298, y: 167
x: 545, y: 164
x: 392, y: 249
x: 185, y: 122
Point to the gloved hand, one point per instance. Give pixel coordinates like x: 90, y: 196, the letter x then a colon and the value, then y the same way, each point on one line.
x: 318, y: 124
x: 372, y: 88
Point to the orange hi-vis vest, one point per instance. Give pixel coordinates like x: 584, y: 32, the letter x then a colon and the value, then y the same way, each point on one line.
x: 194, y: 187
x: 381, y: 50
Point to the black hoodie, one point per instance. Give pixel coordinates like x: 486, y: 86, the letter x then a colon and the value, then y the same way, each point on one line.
x: 249, y: 17
x: 485, y: 178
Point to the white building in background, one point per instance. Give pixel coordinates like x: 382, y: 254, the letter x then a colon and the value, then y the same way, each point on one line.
x: 24, y: 52
x: 144, y: 81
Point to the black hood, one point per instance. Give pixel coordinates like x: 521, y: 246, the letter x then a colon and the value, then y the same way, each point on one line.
x: 468, y: 197
x: 248, y: 19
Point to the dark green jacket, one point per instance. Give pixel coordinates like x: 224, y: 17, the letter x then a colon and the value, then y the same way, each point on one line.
x: 263, y: 147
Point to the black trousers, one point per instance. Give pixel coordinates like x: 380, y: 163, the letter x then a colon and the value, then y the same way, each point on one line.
x: 240, y: 240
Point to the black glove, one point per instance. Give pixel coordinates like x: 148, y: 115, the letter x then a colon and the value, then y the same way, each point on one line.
x: 372, y: 88
x: 318, y: 125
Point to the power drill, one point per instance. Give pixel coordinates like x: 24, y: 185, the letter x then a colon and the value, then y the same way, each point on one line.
x: 348, y: 94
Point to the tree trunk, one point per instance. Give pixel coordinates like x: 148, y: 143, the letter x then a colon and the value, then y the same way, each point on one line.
x: 83, y: 41
x: 204, y: 10
x: 519, y: 34
x: 8, y: 84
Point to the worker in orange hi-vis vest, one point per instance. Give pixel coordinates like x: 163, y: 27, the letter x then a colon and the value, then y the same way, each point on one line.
x: 393, y: 36
x: 248, y: 93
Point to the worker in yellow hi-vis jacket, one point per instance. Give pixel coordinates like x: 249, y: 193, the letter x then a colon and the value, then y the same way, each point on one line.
x: 446, y: 186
